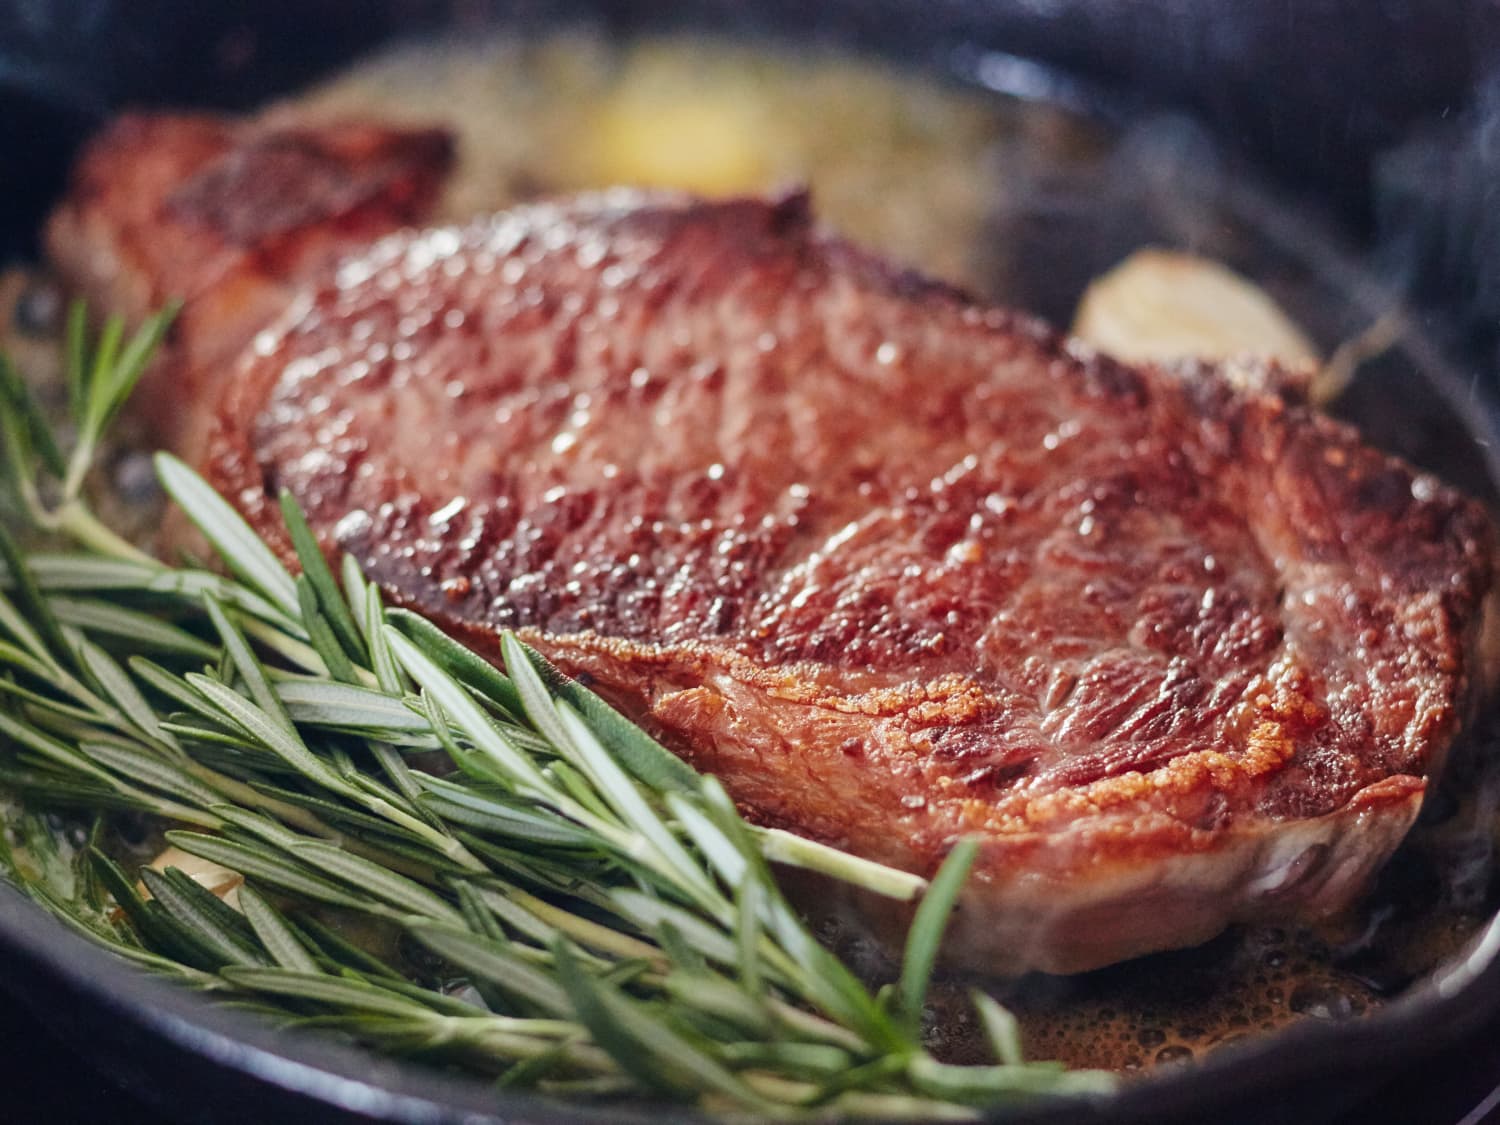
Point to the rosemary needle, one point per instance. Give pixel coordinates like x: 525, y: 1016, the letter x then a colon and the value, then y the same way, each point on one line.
x: 594, y: 915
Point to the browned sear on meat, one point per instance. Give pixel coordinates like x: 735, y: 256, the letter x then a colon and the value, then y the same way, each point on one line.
x: 896, y: 566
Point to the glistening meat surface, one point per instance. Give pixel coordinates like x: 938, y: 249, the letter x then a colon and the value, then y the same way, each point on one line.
x: 895, y: 566
x: 226, y: 216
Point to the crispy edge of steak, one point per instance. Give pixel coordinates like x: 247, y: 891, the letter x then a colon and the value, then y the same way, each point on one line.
x: 1070, y: 894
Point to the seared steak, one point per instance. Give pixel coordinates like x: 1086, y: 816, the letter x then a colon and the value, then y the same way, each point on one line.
x: 896, y: 566
x: 226, y: 216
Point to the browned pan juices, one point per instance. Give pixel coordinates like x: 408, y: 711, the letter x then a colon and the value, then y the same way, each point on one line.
x: 979, y: 189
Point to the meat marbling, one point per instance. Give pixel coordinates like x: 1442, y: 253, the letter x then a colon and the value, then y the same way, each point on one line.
x: 896, y: 566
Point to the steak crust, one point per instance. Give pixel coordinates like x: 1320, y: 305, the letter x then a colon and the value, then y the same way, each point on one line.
x: 226, y: 216
x: 895, y: 566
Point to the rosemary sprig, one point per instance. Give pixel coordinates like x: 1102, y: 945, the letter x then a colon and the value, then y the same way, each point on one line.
x: 596, y: 917
x: 100, y: 380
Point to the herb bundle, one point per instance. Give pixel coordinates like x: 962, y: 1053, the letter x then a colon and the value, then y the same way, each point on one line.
x: 594, y: 917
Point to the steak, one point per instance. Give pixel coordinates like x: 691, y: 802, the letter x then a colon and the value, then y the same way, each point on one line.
x: 226, y: 216
x: 896, y: 566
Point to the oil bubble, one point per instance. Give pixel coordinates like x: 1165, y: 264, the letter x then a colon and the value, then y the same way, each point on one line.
x: 1321, y: 1002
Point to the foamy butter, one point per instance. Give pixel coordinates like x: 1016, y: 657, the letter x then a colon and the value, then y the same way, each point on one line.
x: 896, y: 161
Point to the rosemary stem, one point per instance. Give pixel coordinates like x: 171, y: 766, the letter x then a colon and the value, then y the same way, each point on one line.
x: 810, y: 1023
x: 780, y: 846
x: 445, y: 844
x: 290, y: 648
x: 506, y: 1040
x: 585, y: 932
x: 79, y: 524
x: 31, y: 502
x: 166, y: 810
x: 899, y: 1107
x: 241, y: 794
x: 79, y: 464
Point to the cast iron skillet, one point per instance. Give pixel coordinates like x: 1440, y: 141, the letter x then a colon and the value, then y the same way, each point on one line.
x: 1340, y: 88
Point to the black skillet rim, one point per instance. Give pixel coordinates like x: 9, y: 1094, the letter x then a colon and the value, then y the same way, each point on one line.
x: 1454, y: 1000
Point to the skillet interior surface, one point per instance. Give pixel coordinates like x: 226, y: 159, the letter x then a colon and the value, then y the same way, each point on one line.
x: 178, y: 1050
